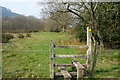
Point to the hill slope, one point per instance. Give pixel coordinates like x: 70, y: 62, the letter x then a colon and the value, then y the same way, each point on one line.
x: 8, y: 12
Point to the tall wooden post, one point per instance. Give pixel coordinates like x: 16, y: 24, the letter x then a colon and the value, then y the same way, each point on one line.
x: 89, y: 49
x: 51, y: 59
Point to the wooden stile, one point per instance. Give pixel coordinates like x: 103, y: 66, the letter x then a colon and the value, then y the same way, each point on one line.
x: 75, y: 64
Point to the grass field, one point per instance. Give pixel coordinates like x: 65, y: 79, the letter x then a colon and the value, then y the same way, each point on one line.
x: 29, y: 57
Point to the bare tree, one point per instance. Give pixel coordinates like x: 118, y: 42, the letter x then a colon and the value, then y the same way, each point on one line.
x: 58, y: 19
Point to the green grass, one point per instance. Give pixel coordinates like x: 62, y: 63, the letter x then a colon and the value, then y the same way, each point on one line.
x: 29, y: 57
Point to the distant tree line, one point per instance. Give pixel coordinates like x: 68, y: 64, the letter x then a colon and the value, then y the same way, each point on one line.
x: 21, y: 24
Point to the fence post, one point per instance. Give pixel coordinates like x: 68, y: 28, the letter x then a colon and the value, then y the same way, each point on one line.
x: 89, y: 49
x: 51, y: 59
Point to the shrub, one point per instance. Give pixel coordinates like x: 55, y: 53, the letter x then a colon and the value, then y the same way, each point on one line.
x: 55, y: 29
x: 28, y: 35
x: 21, y: 36
x: 71, y: 31
x: 6, y: 37
x: 80, y: 32
x: 33, y: 30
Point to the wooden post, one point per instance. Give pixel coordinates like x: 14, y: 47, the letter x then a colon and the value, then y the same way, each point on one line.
x: 51, y: 59
x: 94, y: 59
x: 89, y: 49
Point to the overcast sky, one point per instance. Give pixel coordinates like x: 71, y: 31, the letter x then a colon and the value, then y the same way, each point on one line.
x: 24, y: 7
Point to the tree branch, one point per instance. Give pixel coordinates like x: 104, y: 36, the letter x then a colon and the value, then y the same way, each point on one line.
x: 68, y: 8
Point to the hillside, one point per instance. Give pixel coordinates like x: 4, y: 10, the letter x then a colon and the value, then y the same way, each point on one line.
x: 8, y: 12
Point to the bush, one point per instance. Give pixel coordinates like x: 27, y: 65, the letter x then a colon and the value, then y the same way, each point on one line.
x: 28, y: 35
x: 55, y: 29
x: 71, y: 31
x: 80, y: 32
x: 6, y: 37
x: 34, y: 30
x: 21, y: 36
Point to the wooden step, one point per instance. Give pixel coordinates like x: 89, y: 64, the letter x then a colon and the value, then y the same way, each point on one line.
x: 64, y: 72
x: 79, y: 67
x: 71, y: 73
x: 60, y: 74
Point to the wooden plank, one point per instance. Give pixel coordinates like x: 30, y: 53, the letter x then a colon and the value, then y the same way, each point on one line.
x: 80, y: 68
x: 60, y: 74
x: 88, y: 62
x: 57, y: 55
x: 64, y: 72
x: 51, y: 59
x: 68, y: 65
x: 70, y: 46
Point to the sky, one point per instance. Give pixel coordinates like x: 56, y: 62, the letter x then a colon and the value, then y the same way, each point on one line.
x: 26, y: 8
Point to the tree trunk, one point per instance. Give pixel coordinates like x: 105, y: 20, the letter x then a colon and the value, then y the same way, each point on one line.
x: 63, y: 29
x: 93, y: 38
x: 100, y: 40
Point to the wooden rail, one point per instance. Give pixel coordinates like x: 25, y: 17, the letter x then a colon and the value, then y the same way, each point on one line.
x: 57, y: 55
x: 65, y: 73
x: 68, y: 65
x: 70, y: 46
x: 80, y: 68
x: 60, y: 74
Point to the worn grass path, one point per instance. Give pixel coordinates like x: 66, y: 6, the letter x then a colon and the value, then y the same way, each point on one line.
x: 29, y: 57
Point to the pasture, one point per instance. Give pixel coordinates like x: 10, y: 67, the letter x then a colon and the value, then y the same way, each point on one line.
x: 29, y: 57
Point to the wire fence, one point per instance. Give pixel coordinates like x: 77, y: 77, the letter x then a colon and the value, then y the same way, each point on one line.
x: 41, y: 53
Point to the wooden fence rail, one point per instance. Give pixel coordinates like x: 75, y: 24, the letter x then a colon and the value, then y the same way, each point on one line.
x: 70, y: 46
x: 57, y: 55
